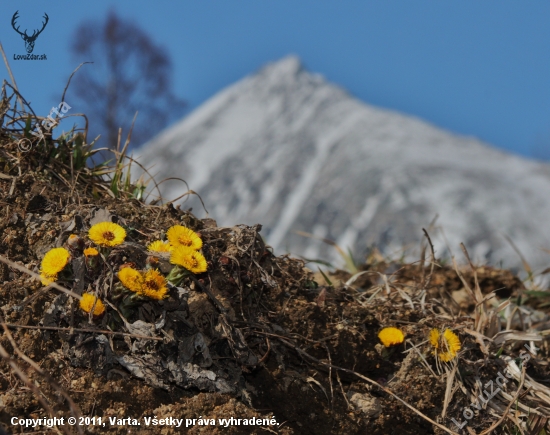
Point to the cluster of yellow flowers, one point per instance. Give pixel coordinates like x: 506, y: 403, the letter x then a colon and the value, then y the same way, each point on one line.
x: 446, y: 345
x: 149, y: 283
x: 104, y: 234
x: 183, y: 246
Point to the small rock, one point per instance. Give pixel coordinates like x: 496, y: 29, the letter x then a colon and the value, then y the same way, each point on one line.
x: 379, y: 348
x: 368, y: 405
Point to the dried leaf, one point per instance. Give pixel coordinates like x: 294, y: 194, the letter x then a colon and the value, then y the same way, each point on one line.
x: 321, y: 298
x: 101, y: 215
x: 449, y: 390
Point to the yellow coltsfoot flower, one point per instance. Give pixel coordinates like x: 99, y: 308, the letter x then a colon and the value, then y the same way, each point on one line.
x: 53, y: 262
x: 150, y: 283
x: 87, y: 303
x: 391, y: 336
x: 179, y: 235
x: 188, y: 258
x: 154, y: 285
x: 107, y: 234
x: 91, y: 257
x: 131, y: 278
x: 160, y: 246
x: 445, y: 345
x: 199, y: 264
x: 91, y: 252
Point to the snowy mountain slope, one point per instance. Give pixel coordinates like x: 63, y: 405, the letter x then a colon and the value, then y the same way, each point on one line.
x: 286, y: 149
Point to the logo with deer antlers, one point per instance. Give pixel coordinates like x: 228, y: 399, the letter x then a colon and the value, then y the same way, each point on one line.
x: 29, y: 40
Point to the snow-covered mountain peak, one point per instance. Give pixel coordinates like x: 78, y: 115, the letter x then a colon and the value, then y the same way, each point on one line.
x: 286, y: 67
x: 285, y: 148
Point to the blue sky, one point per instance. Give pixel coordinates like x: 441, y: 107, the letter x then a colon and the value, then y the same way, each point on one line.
x: 475, y: 68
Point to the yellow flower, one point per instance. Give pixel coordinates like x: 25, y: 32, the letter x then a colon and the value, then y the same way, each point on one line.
x: 131, y: 279
x: 54, y: 262
x: 90, y: 252
x: 160, y: 246
x: 107, y: 234
x: 87, y: 302
x: 445, y: 346
x: 199, y: 264
x: 182, y: 236
x: 181, y: 255
x: 154, y: 285
x: 186, y: 257
x: 391, y: 336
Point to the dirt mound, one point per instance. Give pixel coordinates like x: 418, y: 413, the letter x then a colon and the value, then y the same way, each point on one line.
x: 256, y: 343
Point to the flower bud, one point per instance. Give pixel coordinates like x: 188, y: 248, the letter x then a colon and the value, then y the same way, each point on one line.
x: 75, y: 242
x: 92, y: 257
x: 152, y: 261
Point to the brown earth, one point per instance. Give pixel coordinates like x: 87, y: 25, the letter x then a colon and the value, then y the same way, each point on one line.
x: 296, y: 330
